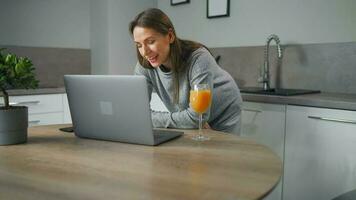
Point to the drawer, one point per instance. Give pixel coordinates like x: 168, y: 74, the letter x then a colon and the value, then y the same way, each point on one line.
x: 45, y: 119
x: 39, y: 103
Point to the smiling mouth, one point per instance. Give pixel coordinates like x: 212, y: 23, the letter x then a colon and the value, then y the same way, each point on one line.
x: 152, y: 59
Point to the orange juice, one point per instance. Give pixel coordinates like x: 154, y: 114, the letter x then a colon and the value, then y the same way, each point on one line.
x: 200, y: 100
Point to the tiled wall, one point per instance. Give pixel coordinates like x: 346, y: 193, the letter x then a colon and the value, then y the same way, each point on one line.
x: 52, y: 63
x: 327, y: 67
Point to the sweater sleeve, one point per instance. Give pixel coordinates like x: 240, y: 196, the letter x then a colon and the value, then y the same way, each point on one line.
x: 198, y: 73
x: 159, y: 119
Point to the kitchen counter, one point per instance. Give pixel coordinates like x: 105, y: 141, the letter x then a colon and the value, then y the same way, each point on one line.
x: 323, y: 100
x: 20, y: 92
x: 58, y: 165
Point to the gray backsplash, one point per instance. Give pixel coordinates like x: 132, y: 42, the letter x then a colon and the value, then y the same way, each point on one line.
x: 52, y: 63
x: 327, y: 67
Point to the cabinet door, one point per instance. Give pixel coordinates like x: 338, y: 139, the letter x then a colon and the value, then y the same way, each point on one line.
x: 45, y: 119
x: 67, y: 119
x: 37, y: 104
x: 320, y: 153
x: 265, y: 123
x: 42, y: 109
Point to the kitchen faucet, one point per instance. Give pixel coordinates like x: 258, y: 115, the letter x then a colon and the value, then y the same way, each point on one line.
x: 265, y: 79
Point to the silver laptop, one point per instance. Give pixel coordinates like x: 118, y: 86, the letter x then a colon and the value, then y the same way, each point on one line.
x: 114, y: 108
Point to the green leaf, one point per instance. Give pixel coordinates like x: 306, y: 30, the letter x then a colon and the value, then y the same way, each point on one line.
x: 16, y: 72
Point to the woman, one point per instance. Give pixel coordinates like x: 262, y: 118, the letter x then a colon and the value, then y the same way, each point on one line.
x: 172, y: 66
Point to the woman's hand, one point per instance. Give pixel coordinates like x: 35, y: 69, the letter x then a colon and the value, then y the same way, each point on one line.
x: 206, y: 126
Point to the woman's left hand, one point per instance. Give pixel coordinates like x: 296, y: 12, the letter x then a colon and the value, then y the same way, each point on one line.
x: 206, y: 126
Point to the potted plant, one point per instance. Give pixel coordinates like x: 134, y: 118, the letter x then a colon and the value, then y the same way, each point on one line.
x: 15, y: 73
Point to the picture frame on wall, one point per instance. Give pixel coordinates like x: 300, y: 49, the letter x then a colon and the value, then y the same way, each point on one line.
x: 178, y: 2
x: 217, y: 8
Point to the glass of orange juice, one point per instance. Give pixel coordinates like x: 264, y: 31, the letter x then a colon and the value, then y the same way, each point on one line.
x: 200, y: 100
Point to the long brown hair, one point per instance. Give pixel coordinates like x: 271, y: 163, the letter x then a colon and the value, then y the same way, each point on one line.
x: 180, y: 50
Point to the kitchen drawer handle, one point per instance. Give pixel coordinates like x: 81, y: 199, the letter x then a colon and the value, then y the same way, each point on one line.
x: 22, y: 103
x: 27, y: 103
x: 34, y: 122
x: 10, y: 103
x: 252, y: 110
x: 333, y: 119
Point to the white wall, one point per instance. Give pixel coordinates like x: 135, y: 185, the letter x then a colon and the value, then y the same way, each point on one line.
x: 102, y: 25
x: 99, y: 37
x: 112, y: 47
x: 122, y: 53
x: 45, y: 23
x: 251, y: 21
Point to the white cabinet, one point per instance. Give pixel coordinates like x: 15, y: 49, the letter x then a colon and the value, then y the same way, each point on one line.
x: 42, y: 109
x: 320, y: 153
x: 265, y: 123
x: 67, y: 119
x: 45, y: 119
x: 39, y: 103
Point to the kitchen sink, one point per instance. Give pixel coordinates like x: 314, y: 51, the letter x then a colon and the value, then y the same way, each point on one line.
x: 277, y: 91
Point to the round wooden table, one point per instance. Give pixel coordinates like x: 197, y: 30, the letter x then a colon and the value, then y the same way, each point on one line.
x: 58, y: 165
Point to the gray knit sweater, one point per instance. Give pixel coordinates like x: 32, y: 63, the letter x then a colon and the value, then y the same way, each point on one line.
x: 225, y: 111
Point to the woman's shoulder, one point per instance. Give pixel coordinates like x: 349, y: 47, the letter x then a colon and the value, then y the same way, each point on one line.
x: 201, y: 56
x: 201, y: 51
x: 201, y: 61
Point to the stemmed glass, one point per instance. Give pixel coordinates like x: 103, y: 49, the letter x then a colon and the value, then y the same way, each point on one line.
x: 200, y: 100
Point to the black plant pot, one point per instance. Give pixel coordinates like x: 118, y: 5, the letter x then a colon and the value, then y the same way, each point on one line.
x: 13, y: 125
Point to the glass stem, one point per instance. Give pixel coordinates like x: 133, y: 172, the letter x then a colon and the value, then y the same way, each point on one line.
x: 200, y: 123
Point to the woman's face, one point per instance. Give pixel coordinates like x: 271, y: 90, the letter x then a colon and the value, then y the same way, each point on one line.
x: 153, y: 46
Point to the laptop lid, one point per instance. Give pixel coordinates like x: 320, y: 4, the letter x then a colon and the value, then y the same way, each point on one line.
x: 110, y: 107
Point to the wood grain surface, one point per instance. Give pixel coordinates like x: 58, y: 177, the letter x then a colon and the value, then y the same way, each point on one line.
x: 58, y: 165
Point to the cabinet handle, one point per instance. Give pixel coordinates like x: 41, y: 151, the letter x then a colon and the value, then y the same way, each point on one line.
x: 34, y: 122
x: 26, y: 103
x: 10, y: 103
x: 333, y: 119
x: 252, y: 110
